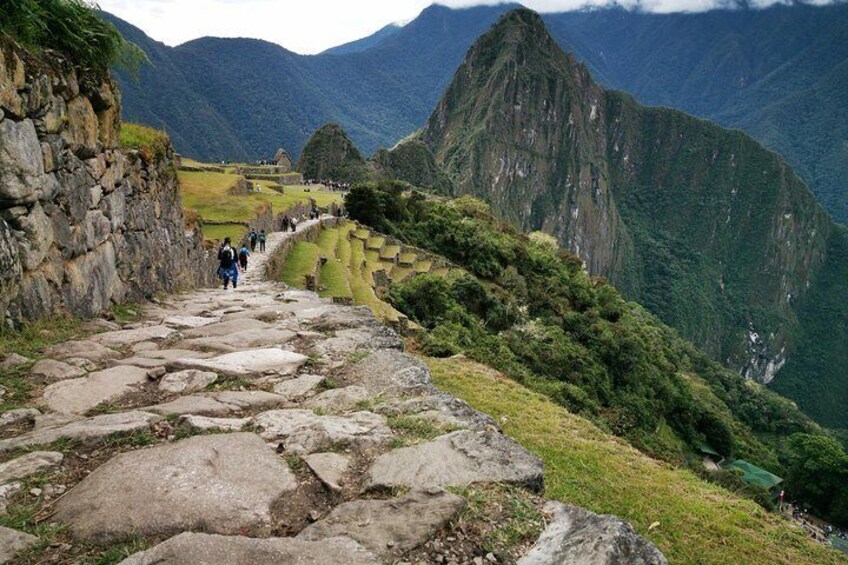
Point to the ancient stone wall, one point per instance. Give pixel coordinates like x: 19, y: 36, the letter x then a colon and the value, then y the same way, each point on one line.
x: 83, y: 223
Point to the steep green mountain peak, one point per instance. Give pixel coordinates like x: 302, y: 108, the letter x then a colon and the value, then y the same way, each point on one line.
x: 331, y: 155
x: 708, y: 229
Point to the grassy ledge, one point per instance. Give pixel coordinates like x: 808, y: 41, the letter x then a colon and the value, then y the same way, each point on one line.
x: 697, y: 522
x: 152, y: 144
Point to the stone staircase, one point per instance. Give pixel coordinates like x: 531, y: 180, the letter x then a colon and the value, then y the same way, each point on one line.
x: 269, y: 425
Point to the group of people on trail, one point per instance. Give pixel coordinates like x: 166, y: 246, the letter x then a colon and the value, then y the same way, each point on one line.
x: 289, y: 224
x: 231, y: 260
x: 255, y: 238
x: 332, y: 185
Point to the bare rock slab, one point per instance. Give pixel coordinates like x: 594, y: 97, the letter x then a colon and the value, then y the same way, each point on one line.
x: 205, y: 424
x: 190, y: 380
x: 457, y: 459
x: 578, y: 536
x: 389, y: 527
x: 339, y: 400
x: 12, y: 542
x: 122, y: 338
x: 303, y: 431
x: 7, y: 492
x: 77, y: 396
x: 223, y: 483
x: 209, y: 549
x: 189, y: 322
x: 251, y: 363
x: 17, y: 416
x: 297, y: 389
x: 29, y: 464
x: 227, y: 328
x: 50, y: 371
x: 85, y: 430
x: 237, y: 341
x: 329, y: 467
x: 195, y: 404
x: 82, y: 349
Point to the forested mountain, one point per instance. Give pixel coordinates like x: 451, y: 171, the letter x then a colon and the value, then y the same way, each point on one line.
x: 777, y: 73
x: 705, y: 227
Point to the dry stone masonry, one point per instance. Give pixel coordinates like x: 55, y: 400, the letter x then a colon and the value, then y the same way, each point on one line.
x: 267, y: 425
x: 83, y: 224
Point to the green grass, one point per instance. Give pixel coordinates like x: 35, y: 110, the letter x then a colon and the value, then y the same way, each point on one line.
x: 218, y: 232
x: 376, y: 243
x: 698, y: 522
x: 328, y: 241
x: 333, y: 279
x: 423, y: 266
x: 151, y: 143
x: 300, y: 262
x: 389, y: 252
x: 30, y: 341
x: 206, y: 194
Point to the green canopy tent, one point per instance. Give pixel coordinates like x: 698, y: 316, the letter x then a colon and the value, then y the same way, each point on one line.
x: 754, y: 475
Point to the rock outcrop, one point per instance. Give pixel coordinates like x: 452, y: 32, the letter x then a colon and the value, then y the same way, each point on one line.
x: 83, y: 224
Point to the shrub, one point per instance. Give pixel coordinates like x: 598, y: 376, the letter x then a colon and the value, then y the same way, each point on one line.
x: 71, y: 27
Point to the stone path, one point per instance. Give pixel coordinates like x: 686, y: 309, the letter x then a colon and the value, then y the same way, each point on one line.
x: 268, y: 425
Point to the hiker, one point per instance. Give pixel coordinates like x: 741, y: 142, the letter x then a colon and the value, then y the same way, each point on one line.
x: 286, y: 223
x: 227, y: 268
x: 293, y: 222
x: 262, y: 238
x: 253, y: 237
x: 242, y: 257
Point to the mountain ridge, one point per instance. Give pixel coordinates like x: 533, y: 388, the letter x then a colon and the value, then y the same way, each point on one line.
x: 525, y: 127
x: 711, y: 65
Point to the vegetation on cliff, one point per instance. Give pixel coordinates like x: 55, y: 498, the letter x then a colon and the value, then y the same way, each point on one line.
x: 532, y: 312
x: 72, y: 28
x: 331, y: 155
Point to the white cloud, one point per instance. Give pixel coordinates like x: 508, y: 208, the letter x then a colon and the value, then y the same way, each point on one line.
x: 310, y: 26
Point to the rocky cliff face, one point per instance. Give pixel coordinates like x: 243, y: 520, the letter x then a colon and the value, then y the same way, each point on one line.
x: 702, y: 225
x: 83, y: 224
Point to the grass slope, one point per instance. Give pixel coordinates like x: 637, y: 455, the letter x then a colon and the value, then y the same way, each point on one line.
x: 697, y: 522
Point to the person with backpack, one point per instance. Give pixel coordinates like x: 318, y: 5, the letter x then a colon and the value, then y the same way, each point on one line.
x: 262, y: 238
x: 253, y: 237
x: 242, y: 257
x: 294, y: 224
x: 227, y: 264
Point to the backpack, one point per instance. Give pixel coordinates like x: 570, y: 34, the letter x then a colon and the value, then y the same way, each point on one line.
x: 261, y: 237
x: 226, y: 254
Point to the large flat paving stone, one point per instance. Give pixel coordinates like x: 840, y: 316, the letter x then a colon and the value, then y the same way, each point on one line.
x: 389, y: 527
x: 209, y: 549
x: 77, y: 396
x: 227, y: 328
x: 194, y: 404
x: 29, y: 464
x: 81, y: 349
x: 123, y: 338
x: 85, y: 430
x: 189, y: 322
x: 250, y: 363
x: 303, y: 431
x: 456, y: 459
x: 223, y: 484
x: 13, y: 542
x: 237, y: 341
x: 578, y: 536
x: 299, y: 388
x: 190, y: 380
x: 339, y: 400
x: 50, y: 371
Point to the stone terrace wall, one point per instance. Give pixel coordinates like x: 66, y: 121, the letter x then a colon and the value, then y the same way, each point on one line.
x: 83, y: 224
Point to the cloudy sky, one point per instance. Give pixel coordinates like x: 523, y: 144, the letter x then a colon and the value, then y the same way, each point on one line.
x: 310, y: 26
